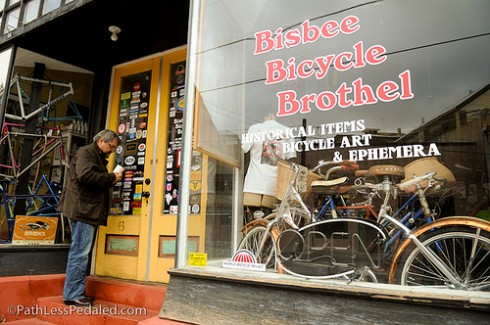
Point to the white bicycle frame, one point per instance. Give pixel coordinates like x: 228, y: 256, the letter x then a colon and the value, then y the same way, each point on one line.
x: 23, y: 116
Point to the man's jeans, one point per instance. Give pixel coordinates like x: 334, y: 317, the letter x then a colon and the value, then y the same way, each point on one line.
x: 82, y: 237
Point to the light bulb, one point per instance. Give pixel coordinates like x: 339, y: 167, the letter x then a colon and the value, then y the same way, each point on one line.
x: 114, y: 30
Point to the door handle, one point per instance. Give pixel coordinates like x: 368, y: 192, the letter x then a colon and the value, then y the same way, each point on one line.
x: 145, y: 194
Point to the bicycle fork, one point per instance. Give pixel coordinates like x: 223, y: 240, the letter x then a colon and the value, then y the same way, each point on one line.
x: 433, y: 258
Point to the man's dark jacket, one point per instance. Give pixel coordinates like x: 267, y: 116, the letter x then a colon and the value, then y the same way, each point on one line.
x: 86, y: 193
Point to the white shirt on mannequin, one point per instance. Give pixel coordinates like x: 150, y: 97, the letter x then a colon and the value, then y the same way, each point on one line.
x: 261, y: 177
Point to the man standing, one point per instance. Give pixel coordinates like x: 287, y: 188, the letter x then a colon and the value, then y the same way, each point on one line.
x: 85, y: 201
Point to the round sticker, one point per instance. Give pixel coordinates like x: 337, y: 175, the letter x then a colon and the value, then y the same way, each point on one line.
x: 180, y: 70
x: 143, y: 104
x: 136, y: 86
x: 139, y: 134
x: 195, y: 208
x: 180, y: 79
x: 119, y: 150
x: 129, y: 160
x: 141, y: 147
x: 121, y: 128
x: 142, y: 125
x: 180, y: 103
x: 195, y: 185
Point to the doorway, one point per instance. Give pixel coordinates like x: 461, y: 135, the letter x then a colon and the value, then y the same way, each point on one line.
x: 146, y: 109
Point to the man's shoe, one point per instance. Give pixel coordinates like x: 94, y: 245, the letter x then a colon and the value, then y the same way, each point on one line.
x: 89, y: 298
x: 79, y: 302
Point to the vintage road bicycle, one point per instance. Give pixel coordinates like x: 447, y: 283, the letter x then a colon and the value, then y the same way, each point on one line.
x: 450, y: 252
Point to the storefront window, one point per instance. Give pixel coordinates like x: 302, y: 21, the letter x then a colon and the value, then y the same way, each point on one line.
x: 358, y: 130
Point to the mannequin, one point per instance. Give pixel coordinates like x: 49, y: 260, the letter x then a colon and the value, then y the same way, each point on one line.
x: 261, y: 177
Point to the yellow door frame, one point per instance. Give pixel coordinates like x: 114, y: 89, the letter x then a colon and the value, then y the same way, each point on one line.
x: 153, y: 230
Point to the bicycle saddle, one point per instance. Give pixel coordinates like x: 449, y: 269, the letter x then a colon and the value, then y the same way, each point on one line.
x: 329, y: 186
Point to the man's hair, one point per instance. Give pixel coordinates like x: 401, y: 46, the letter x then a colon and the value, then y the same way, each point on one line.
x: 107, y: 136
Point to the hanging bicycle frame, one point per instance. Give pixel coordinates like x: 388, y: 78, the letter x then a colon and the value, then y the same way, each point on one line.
x: 23, y: 116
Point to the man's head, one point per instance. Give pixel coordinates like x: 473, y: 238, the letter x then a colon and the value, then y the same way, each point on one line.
x: 107, y: 140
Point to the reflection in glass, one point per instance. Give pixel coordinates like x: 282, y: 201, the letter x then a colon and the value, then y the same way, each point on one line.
x: 385, y: 89
x: 218, y: 209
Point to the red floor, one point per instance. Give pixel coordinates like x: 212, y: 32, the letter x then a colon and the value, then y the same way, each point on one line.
x: 37, y: 300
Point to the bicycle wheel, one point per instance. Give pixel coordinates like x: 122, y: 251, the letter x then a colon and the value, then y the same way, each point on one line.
x: 464, y: 251
x: 253, y: 239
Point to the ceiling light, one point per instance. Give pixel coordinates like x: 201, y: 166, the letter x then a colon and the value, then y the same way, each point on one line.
x: 114, y: 30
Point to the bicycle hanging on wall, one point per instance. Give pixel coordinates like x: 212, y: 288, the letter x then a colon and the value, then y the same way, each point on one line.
x: 42, y: 197
x: 22, y: 96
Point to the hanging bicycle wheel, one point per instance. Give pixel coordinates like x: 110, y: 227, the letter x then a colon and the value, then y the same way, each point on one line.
x: 252, y: 242
x: 464, y: 251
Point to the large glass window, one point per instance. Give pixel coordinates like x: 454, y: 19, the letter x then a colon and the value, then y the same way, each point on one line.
x: 360, y: 130
x: 31, y: 10
x: 50, y: 5
x: 12, y: 20
x: 5, y: 57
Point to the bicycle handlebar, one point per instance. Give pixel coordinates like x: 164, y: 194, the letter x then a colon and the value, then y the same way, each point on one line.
x: 344, y: 165
x: 416, y: 180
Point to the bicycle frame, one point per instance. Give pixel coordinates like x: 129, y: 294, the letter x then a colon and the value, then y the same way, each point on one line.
x: 46, y: 208
x: 51, y: 143
x: 293, y: 194
x: 427, y: 253
x: 23, y: 116
x: 441, y: 223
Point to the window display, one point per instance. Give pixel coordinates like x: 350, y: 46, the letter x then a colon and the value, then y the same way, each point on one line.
x: 375, y: 141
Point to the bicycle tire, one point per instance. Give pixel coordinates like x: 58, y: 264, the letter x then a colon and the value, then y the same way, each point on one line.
x: 251, y: 242
x: 464, y: 250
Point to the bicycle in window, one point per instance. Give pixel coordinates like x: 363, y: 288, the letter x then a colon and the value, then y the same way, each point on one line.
x: 397, y: 247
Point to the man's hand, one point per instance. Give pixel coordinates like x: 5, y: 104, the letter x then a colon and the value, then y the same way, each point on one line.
x: 118, y: 177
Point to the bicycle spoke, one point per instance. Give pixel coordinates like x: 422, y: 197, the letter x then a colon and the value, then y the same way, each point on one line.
x: 463, y: 252
x: 426, y: 271
x: 252, y: 242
